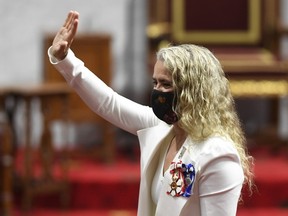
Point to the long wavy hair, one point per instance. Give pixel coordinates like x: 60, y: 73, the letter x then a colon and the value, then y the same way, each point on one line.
x: 204, y: 102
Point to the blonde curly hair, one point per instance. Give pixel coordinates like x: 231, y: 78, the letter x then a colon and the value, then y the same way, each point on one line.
x: 204, y: 101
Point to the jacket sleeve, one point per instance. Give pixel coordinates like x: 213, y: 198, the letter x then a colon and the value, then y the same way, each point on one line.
x: 101, y: 99
x: 220, y: 183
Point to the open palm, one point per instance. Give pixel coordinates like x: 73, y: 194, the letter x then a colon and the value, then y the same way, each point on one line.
x: 65, y: 36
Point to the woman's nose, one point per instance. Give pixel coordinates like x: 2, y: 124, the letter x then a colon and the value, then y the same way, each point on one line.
x: 158, y: 87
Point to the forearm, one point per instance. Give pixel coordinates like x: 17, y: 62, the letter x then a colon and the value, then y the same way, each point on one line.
x: 118, y: 110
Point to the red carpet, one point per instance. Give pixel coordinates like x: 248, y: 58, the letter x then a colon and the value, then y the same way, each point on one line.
x: 112, y: 190
x: 89, y: 212
x: 262, y: 212
x: 271, y: 179
x: 104, y: 186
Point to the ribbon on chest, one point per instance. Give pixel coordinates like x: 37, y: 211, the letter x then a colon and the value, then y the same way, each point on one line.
x: 182, y: 177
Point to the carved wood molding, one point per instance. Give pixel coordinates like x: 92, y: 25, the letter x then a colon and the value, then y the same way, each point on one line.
x: 259, y: 88
x: 251, y: 35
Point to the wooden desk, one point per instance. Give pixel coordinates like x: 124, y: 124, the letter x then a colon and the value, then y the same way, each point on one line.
x: 6, y: 164
x: 54, y: 105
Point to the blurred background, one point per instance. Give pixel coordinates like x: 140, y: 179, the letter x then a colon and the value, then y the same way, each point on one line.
x: 56, y: 154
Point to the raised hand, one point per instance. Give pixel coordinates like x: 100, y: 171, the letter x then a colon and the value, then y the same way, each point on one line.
x: 65, y: 36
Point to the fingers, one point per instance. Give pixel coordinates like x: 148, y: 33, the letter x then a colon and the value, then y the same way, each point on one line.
x: 74, y: 23
x: 68, y: 19
x: 70, y: 26
x: 72, y: 17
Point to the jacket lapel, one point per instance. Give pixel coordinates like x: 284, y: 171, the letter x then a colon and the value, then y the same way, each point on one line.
x: 151, y: 140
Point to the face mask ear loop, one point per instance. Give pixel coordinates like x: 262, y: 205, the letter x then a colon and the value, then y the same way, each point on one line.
x: 176, y: 96
x: 174, y: 107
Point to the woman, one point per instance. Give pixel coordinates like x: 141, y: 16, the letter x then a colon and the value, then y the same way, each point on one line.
x: 193, y: 157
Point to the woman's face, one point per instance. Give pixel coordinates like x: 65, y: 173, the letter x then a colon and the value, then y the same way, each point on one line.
x: 162, y: 80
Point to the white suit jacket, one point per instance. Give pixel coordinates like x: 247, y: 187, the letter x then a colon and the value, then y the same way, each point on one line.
x: 219, y: 176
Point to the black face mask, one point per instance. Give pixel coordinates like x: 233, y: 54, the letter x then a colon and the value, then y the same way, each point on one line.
x: 162, y: 104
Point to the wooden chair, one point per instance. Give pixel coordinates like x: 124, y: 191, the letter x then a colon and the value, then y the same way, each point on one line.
x: 95, y: 51
x: 244, y: 36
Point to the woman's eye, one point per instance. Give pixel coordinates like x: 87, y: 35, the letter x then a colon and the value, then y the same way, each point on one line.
x: 167, y: 85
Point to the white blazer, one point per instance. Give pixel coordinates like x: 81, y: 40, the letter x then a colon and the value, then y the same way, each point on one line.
x: 219, y: 176
x: 218, y: 181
